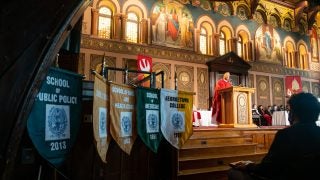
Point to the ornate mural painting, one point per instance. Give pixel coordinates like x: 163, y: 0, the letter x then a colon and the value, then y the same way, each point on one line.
x: 314, y: 45
x: 268, y: 46
x: 172, y: 25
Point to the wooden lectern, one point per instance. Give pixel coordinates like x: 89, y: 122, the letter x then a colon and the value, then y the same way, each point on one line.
x: 236, y: 107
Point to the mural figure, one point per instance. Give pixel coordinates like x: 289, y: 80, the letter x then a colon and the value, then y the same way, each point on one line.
x: 313, y: 43
x: 267, y: 38
x: 268, y: 46
x: 161, y: 25
x: 184, y: 29
x: 173, y: 25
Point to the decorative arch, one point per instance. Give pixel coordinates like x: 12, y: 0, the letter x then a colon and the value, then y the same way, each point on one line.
x: 260, y: 15
x: 303, y: 60
x: 274, y: 20
x: 302, y: 42
x: 287, y: 24
x: 113, y: 5
x: 243, y: 28
x: 135, y: 9
x: 136, y: 6
x: 205, y: 18
x: 225, y: 23
x: 289, y: 38
x: 103, y: 18
x: 243, y: 11
x: 224, y: 8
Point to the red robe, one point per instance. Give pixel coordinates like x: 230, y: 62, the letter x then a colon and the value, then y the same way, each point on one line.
x: 216, y: 104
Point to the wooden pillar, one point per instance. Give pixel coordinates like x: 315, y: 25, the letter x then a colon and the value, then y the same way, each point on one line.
x: 197, y: 41
x: 216, y: 48
x: 233, y: 45
x: 94, y: 20
x: 124, y: 27
x: 117, y: 26
x: 144, y: 31
x: 249, y: 44
x: 296, y: 59
x: 210, y: 50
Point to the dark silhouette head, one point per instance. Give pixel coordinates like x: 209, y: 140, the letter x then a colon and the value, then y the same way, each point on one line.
x: 304, y: 108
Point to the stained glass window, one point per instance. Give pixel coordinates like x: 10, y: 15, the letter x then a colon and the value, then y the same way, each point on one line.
x: 303, y: 62
x: 104, y: 22
x: 132, y: 28
x: 239, y: 46
x: 203, y: 41
x: 222, y: 43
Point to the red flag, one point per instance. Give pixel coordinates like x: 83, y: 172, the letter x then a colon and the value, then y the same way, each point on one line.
x: 293, y: 85
x: 144, y: 63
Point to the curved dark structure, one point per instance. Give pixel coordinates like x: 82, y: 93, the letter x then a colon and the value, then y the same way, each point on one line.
x: 31, y: 34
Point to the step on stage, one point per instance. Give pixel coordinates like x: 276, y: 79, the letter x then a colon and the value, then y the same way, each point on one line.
x: 209, y: 150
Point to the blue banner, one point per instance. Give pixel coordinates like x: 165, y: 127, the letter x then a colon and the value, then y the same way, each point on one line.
x: 55, y: 116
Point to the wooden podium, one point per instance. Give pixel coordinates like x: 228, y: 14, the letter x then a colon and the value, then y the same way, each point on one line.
x: 236, y: 107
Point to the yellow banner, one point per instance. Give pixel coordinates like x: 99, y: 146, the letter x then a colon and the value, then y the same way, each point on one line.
x: 122, y: 116
x: 100, y: 116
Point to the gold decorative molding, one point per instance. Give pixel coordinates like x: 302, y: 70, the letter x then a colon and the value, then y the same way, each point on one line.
x: 281, y: 70
x: 107, y: 45
x: 185, y: 77
x: 157, y: 67
x: 202, y: 88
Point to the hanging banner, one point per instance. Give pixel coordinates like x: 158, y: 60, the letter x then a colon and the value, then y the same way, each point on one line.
x: 148, y: 117
x: 176, y: 116
x: 144, y: 63
x: 122, y: 116
x: 293, y: 85
x: 54, y: 120
x: 100, y: 115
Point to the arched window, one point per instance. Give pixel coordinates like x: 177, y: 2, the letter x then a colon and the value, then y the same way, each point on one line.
x: 303, y: 57
x: 203, y: 41
x: 104, y: 22
x: 240, y: 46
x: 222, y: 43
x: 132, y: 27
x: 204, y: 36
x: 243, y: 45
x: 290, y: 60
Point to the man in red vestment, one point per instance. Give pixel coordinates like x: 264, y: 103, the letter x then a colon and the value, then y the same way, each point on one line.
x: 216, y: 104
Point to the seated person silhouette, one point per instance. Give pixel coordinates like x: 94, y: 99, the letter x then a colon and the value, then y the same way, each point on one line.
x: 295, y: 151
x: 256, y: 115
x: 266, y: 119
